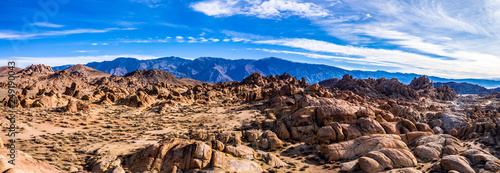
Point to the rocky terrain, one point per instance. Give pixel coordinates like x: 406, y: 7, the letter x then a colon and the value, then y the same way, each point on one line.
x: 83, y: 120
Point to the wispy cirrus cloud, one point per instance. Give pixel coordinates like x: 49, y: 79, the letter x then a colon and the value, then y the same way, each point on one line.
x: 47, y: 24
x: 174, y: 25
x: 16, y: 35
x: 260, y: 9
x: 459, y: 24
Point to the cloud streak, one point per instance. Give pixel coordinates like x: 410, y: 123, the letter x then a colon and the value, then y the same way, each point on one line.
x: 46, y: 24
x: 15, y: 35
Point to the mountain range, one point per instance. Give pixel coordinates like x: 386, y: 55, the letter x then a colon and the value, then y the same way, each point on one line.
x: 213, y: 70
x: 467, y: 88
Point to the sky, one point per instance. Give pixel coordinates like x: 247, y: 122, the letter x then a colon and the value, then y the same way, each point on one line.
x: 452, y: 39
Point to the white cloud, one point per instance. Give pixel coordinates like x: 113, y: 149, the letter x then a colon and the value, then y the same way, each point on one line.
x: 15, y: 35
x: 180, y: 39
x: 240, y: 39
x: 46, y: 24
x: 258, y: 8
x: 367, y: 16
x: 214, y: 39
x: 203, y: 39
x: 226, y: 40
x: 192, y: 40
x: 94, y: 44
x: 484, y: 66
x: 104, y: 44
x: 216, y: 7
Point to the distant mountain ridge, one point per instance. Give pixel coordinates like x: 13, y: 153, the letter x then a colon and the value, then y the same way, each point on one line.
x: 213, y: 70
x: 467, y: 88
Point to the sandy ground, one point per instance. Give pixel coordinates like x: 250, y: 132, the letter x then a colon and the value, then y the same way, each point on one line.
x: 69, y: 139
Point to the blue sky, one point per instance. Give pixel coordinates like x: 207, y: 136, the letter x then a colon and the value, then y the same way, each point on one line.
x: 453, y: 39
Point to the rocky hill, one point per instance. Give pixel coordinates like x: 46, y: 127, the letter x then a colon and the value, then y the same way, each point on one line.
x: 5, y: 69
x: 467, y: 88
x: 84, y: 71
x: 214, y: 70
x: 39, y: 76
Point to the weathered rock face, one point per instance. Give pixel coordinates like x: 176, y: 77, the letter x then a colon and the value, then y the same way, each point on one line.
x: 341, y: 113
x: 24, y: 163
x: 326, y: 134
x: 362, y: 145
x: 457, y: 163
x: 444, y: 92
x: 478, y: 128
x: 281, y: 130
x: 421, y: 83
x: 387, y: 158
x: 183, y: 155
x: 241, y: 151
x: 269, y: 141
x: 434, y: 146
x: 479, y: 157
x: 405, y: 112
x: 141, y: 99
x: 230, y: 137
x: 370, y: 126
x: 48, y: 102
x: 13, y: 102
x: 272, y: 160
x: 106, y: 164
x: 243, y: 166
x: 71, y: 90
x: 452, y: 122
x: 72, y: 106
